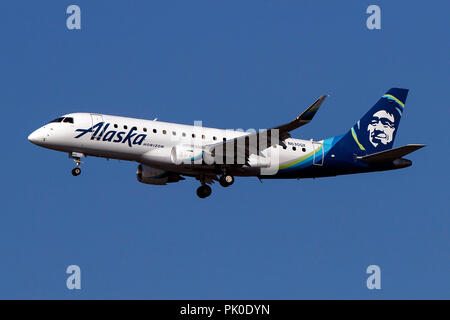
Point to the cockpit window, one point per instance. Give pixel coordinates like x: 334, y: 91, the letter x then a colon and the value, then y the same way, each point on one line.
x: 57, y: 120
x: 68, y: 120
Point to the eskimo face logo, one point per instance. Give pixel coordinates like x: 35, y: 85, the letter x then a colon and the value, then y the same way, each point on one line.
x: 99, y: 132
x: 381, y: 128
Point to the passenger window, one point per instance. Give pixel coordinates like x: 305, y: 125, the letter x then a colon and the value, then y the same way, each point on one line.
x: 145, y: 129
x: 134, y: 128
x: 164, y: 131
x: 174, y: 133
x: 284, y: 147
x: 193, y: 135
x: 154, y: 131
x: 214, y: 138
x: 294, y: 148
x: 304, y: 149
x: 203, y: 136
x: 115, y: 126
x: 184, y: 134
x: 125, y: 127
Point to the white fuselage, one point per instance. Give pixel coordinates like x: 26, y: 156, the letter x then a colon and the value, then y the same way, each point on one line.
x: 152, y: 142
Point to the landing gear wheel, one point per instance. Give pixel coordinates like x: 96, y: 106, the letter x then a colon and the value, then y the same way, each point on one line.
x: 76, y: 172
x: 204, y: 191
x: 226, y: 180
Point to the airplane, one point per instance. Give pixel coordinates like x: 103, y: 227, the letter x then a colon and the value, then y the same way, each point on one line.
x: 168, y: 152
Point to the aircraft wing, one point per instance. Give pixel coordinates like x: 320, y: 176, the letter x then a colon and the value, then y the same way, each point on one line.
x: 253, y: 143
x: 391, y: 154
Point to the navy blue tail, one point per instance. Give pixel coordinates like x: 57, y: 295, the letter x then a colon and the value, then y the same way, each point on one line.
x: 377, y: 129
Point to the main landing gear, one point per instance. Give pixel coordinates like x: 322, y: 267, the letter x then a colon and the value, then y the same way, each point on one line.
x: 226, y: 180
x: 205, y: 191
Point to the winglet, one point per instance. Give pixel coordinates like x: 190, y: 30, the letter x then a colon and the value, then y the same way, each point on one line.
x: 309, y: 113
x: 302, y: 119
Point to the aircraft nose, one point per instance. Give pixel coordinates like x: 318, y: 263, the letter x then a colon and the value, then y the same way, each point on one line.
x: 36, y: 136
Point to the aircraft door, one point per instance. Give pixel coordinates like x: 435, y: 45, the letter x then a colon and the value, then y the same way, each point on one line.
x: 318, y: 154
x: 96, y: 118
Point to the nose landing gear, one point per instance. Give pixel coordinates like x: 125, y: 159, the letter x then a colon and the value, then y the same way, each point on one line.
x: 76, y: 171
x: 76, y: 157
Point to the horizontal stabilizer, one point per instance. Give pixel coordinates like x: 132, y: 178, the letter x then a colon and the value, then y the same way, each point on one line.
x: 392, y: 154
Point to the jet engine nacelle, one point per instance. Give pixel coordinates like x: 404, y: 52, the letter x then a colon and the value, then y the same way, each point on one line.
x: 150, y: 175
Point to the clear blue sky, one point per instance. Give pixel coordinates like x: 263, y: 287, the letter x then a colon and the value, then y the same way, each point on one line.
x: 233, y: 64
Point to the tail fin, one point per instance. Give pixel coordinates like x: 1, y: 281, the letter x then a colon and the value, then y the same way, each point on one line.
x: 376, y: 130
